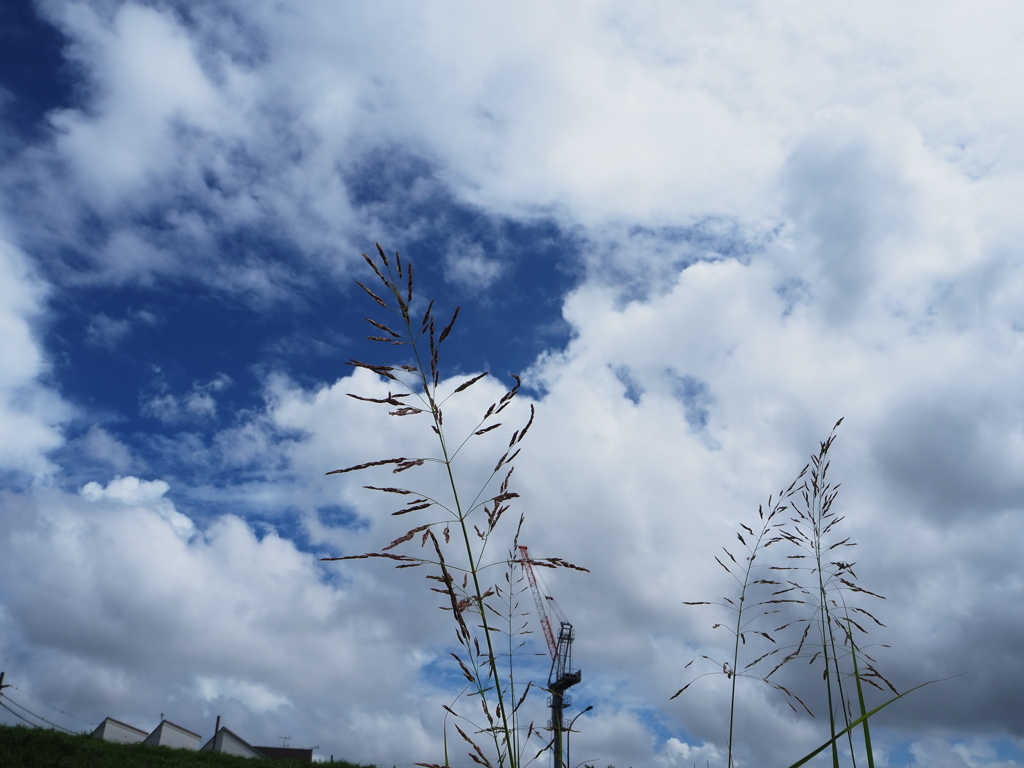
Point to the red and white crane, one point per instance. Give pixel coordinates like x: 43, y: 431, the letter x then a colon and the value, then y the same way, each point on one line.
x: 562, y: 676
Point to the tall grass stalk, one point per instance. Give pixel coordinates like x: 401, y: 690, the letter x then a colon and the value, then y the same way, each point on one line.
x: 812, y: 530
x: 755, y: 596
x: 459, y: 525
x: 831, y: 619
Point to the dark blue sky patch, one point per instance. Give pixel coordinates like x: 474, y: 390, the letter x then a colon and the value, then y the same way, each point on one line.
x: 695, y: 397
x: 165, y: 372
x: 116, y: 345
x: 708, y: 239
x: 633, y: 390
x: 391, y: 176
x: 33, y: 71
x: 666, y: 251
x: 510, y: 319
x: 443, y: 672
x: 337, y: 516
x: 662, y: 732
x: 793, y: 292
x: 224, y: 32
x: 899, y: 753
x: 725, y: 237
x: 1008, y: 751
x: 288, y: 525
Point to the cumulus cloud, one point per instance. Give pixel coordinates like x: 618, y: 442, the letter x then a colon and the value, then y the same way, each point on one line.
x: 638, y: 116
x: 468, y: 264
x: 100, y: 445
x: 109, y: 332
x: 129, y: 610
x: 622, y: 473
x: 30, y: 412
x: 133, y: 492
x: 145, y: 78
x: 199, y: 403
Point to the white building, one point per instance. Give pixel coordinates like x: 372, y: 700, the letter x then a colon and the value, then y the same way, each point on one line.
x: 114, y: 730
x: 226, y: 741
x: 167, y: 734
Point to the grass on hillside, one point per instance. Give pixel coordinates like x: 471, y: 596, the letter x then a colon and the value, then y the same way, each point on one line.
x: 22, y: 747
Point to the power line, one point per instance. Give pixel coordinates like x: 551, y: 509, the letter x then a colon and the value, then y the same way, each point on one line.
x: 17, y: 715
x: 23, y: 707
x: 55, y: 709
x: 38, y: 717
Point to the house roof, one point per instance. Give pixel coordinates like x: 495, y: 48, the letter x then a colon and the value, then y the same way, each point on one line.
x: 215, y: 744
x: 166, y: 723
x: 111, y: 720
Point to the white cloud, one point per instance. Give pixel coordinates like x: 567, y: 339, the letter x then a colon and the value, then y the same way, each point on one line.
x: 30, y: 412
x: 330, y: 430
x: 969, y: 754
x: 109, y: 332
x: 148, y: 494
x: 677, y: 753
x: 257, y: 698
x: 468, y: 265
x: 117, y: 613
x: 99, y: 444
x: 598, y: 113
x: 145, y: 79
x: 199, y: 403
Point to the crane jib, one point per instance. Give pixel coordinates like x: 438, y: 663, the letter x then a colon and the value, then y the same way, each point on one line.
x: 562, y: 676
x: 549, y: 636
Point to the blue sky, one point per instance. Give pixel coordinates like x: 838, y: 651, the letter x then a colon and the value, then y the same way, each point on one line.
x: 701, y: 233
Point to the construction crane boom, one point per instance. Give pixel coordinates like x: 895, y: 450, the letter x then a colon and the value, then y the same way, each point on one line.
x: 562, y: 676
x: 545, y: 623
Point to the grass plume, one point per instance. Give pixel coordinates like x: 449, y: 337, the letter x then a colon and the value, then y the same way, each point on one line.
x: 452, y: 531
x: 814, y: 589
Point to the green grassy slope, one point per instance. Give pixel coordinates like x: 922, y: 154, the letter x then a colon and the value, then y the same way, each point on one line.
x: 22, y: 747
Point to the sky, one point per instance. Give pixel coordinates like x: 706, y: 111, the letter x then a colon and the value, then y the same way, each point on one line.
x: 701, y: 233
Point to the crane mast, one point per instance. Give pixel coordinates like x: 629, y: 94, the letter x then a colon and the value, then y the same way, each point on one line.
x: 562, y: 676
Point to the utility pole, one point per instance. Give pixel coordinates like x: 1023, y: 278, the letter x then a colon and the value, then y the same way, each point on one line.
x: 568, y: 731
